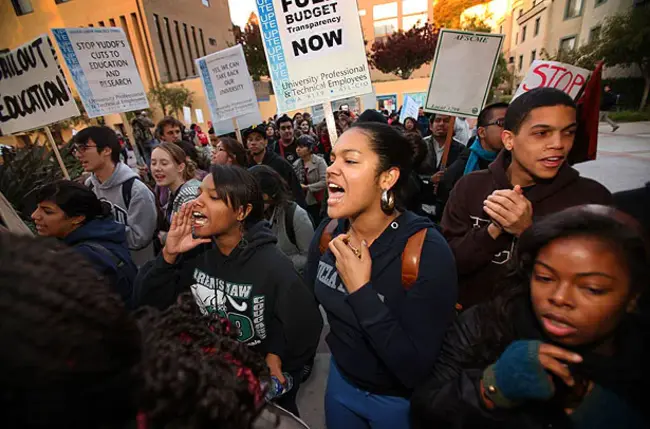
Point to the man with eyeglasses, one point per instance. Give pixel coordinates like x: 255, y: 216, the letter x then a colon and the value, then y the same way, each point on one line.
x: 132, y: 203
x: 286, y: 147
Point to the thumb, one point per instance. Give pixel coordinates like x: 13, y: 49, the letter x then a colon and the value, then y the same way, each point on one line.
x: 519, y: 190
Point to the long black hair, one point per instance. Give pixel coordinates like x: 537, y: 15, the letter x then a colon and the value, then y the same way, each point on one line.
x: 74, y: 199
x: 238, y: 188
x: 273, y: 185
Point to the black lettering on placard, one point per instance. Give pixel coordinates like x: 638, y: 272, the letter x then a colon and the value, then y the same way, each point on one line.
x: 470, y: 38
x: 21, y: 60
x: 41, y: 96
x: 317, y: 42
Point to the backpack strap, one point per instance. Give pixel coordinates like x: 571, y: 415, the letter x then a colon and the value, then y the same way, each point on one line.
x: 327, y: 235
x: 288, y: 222
x: 126, y: 191
x: 411, y: 258
x: 104, y: 252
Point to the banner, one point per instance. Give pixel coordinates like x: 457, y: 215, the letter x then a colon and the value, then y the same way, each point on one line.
x: 409, y: 109
x: 463, y: 67
x: 552, y: 74
x: 315, y: 51
x: 419, y: 97
x: 227, y: 84
x: 33, y: 90
x: 103, y: 69
x: 387, y: 102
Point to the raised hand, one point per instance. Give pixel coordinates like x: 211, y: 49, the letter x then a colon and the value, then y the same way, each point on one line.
x: 354, y: 266
x: 510, y: 210
x: 179, y: 237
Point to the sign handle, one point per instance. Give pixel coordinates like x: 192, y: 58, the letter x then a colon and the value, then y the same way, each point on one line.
x: 56, y: 152
x: 331, y: 124
x: 445, y: 152
x: 235, y: 124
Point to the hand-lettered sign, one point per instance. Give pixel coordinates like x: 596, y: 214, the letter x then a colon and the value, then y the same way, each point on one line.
x: 552, y: 74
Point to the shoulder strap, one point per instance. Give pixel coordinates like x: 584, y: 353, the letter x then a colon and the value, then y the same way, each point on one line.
x: 288, y: 221
x: 411, y: 258
x: 91, y: 186
x: 104, y: 251
x: 327, y: 235
x: 126, y: 191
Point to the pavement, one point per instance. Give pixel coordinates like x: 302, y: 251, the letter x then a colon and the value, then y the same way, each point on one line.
x: 623, y: 162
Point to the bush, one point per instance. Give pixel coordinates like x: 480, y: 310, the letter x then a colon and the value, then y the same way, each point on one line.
x: 629, y: 90
x: 630, y: 115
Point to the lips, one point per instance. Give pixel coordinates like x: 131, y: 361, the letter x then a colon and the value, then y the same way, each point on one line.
x: 552, y: 161
x: 558, y: 326
x: 336, y: 193
x: 199, y: 219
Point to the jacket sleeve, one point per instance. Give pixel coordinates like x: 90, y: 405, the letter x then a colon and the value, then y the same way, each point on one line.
x: 142, y: 217
x: 408, y: 342
x: 473, y: 247
x: 304, y: 231
x: 321, y: 166
x: 313, y: 255
x: 157, y: 284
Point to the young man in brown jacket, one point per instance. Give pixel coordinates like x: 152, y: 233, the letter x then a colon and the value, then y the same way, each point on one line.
x: 489, y: 209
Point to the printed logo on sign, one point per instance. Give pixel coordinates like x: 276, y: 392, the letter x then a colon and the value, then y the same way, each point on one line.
x: 470, y: 38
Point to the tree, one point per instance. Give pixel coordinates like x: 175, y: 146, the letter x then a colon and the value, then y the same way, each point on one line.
x: 447, y: 13
x: 477, y: 23
x: 251, y: 41
x: 171, y: 98
x: 404, y: 52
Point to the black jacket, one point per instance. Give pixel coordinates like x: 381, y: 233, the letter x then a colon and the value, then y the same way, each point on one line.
x: 255, y: 287
x: 287, y: 172
x: 608, y: 101
x: 456, y: 171
x: 384, y: 338
x: 451, y: 398
x: 429, y: 165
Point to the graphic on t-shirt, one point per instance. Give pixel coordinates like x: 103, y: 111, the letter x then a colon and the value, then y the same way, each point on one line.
x: 501, y: 257
x: 328, y: 275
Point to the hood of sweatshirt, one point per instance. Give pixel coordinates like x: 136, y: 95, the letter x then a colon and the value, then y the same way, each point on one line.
x: 121, y: 174
x: 256, y: 236
x: 543, y: 188
x: 99, y: 231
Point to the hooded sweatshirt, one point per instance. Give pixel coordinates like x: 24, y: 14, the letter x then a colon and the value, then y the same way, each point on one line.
x: 482, y: 261
x: 383, y: 338
x: 141, y: 217
x: 255, y: 287
x: 112, y: 237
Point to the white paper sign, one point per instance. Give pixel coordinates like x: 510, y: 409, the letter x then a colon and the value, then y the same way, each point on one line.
x: 33, y: 90
x: 103, y: 69
x: 243, y: 122
x: 463, y: 67
x: 552, y: 74
x: 315, y: 51
x: 409, y: 109
x: 199, y: 116
x: 187, y: 115
x: 227, y: 84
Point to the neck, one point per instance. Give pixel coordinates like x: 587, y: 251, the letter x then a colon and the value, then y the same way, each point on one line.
x: 259, y: 157
x: 306, y: 158
x: 104, y: 172
x: 369, y: 225
x: 228, y: 241
x: 484, y: 145
x: 287, y: 142
x: 440, y: 141
x: 517, y: 175
x: 176, y: 184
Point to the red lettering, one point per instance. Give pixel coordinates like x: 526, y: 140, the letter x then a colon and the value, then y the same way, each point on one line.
x: 578, y: 81
x: 557, y: 69
x: 538, y: 71
x: 568, y: 83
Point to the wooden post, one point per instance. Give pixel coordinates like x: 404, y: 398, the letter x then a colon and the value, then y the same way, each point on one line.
x: 56, y: 152
x: 329, y: 120
x: 235, y: 124
x: 445, y: 152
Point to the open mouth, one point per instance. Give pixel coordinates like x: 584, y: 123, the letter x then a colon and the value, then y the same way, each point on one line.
x: 199, y: 219
x: 557, y: 327
x: 336, y: 193
x: 552, y: 161
x: 159, y: 177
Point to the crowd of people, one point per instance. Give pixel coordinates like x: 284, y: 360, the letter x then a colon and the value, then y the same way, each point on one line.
x: 471, y: 281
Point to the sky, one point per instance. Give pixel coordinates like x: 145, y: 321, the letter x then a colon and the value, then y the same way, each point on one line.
x: 240, y: 10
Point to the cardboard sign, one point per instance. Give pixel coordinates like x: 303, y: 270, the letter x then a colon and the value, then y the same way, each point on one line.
x: 552, y: 74
x: 315, y: 51
x: 103, y: 69
x: 243, y: 122
x: 409, y: 109
x: 33, y: 90
x: 227, y: 84
x: 462, y: 72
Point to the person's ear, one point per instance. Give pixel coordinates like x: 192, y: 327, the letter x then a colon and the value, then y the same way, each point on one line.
x: 632, y: 305
x: 508, y: 139
x: 107, y: 151
x: 389, y: 178
x: 181, y: 167
x: 482, y: 132
x: 78, y: 220
x: 243, y: 212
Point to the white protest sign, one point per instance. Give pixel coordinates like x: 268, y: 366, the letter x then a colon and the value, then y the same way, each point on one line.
x: 227, y: 84
x: 103, y: 69
x: 409, y: 109
x: 315, y: 51
x: 243, y: 122
x: 552, y: 74
x: 187, y: 115
x: 459, y: 87
x: 33, y: 90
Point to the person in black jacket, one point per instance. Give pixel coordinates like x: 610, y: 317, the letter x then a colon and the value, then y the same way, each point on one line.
x: 384, y: 335
x: 220, y: 248
x: 607, y: 104
x: 563, y: 347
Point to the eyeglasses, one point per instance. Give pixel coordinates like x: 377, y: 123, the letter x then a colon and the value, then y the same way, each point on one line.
x: 499, y: 122
x: 81, y: 147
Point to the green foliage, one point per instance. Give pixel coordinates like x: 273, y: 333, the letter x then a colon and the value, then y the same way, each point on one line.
x: 251, y: 40
x: 447, y: 13
x: 630, y: 116
x: 171, y: 98
x: 403, y: 52
x: 477, y: 23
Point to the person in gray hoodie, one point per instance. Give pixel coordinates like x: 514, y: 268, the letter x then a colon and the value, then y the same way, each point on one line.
x: 132, y: 202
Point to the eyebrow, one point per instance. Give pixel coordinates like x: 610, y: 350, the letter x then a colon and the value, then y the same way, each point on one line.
x: 345, y: 151
x: 549, y: 127
x: 587, y: 274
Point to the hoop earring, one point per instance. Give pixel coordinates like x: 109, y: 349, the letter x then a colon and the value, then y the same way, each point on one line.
x: 243, y: 242
x: 387, y: 201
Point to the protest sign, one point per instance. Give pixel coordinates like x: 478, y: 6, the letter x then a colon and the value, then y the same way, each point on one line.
x: 459, y: 87
x: 103, y: 69
x: 33, y: 90
x: 409, y: 109
x: 419, y: 97
x: 552, y: 74
x: 227, y: 84
x: 315, y: 51
x: 226, y: 127
x: 387, y: 102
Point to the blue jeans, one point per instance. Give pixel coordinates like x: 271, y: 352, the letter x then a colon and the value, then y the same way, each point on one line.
x: 347, y: 407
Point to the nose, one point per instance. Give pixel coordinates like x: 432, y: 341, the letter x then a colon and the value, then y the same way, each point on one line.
x: 555, y: 141
x: 562, y: 295
x: 34, y: 214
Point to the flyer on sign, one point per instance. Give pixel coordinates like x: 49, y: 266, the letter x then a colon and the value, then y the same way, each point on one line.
x: 227, y: 84
x: 315, y: 51
x: 457, y: 87
x: 552, y: 74
x: 33, y: 90
x: 103, y: 69
x: 409, y: 109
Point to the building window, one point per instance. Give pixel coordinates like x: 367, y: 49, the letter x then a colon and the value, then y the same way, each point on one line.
x: 594, y: 34
x: 101, y: 24
x: 414, y: 6
x: 573, y: 9
x: 61, y: 1
x: 206, y: 3
x: 409, y: 22
x: 500, y: 29
x: 362, y: 12
x: 537, y: 22
x: 180, y: 47
x: 523, y: 34
x: 22, y: 7
x: 196, y: 45
x: 189, y: 48
x: 511, y: 60
x: 383, y: 11
x: 202, y: 42
x: 599, y: 2
x: 521, y: 62
x: 111, y: 22
x: 568, y: 43
x: 212, y: 41
x: 533, y: 56
x: 517, y: 39
x: 521, y: 12
x: 162, y: 46
x: 385, y: 27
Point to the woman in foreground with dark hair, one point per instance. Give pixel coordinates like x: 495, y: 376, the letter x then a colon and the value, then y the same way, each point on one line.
x: 563, y: 347
x: 72, y: 213
x: 387, y: 317
x: 220, y: 248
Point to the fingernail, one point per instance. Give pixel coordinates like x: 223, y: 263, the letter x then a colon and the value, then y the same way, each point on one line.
x: 364, y: 242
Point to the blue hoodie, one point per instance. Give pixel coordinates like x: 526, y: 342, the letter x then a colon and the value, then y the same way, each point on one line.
x: 112, y: 237
x: 383, y: 338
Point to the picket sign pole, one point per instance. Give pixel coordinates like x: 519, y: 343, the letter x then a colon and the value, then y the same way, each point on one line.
x: 56, y: 152
x: 235, y: 124
x: 445, y: 152
x: 331, y: 124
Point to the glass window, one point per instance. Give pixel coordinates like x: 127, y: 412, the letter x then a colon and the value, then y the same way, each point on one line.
x: 533, y: 56
x: 385, y: 27
x: 22, y: 7
x: 414, y: 6
x: 568, y: 43
x: 521, y: 12
x: 521, y: 62
x: 537, y: 21
x: 382, y: 11
x: 517, y: 39
x: 594, y: 34
x: 573, y: 8
x: 61, y: 1
x: 362, y: 12
x: 206, y: 3
x: 523, y: 34
x: 409, y: 22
